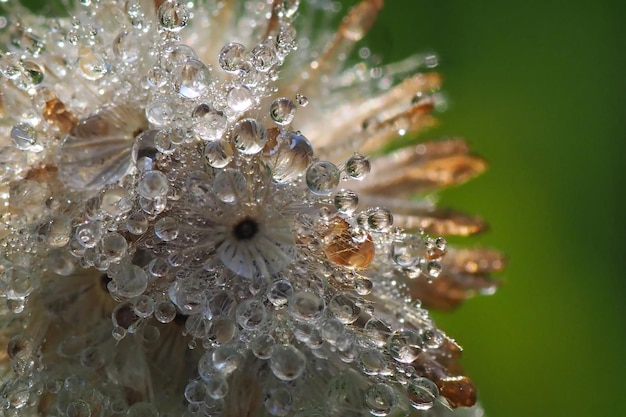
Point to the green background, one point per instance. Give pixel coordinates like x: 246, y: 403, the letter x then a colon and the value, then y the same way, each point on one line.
x: 537, y: 88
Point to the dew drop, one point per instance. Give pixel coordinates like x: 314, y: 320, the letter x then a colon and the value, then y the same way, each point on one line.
x: 379, y: 219
x: 232, y: 57
x: 344, y: 308
x: 262, y: 346
x: 381, y: 400
x: 287, y: 363
x: 173, y: 16
x: 249, y: 136
x: 282, y: 111
x: 322, y: 177
x: 422, y: 393
x: 152, y: 185
x: 251, y: 314
x: 239, y: 98
x: 229, y: 185
x: 218, y: 153
x: 25, y: 138
x: 404, y: 345
x: 209, y: 124
x: 191, y: 79
x: 278, y: 402
x: 346, y: 201
x: 358, y: 166
x: 289, y: 154
x: 306, y: 306
x: 166, y: 229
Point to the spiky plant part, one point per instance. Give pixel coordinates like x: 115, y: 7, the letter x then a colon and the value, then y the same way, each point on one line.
x: 191, y: 223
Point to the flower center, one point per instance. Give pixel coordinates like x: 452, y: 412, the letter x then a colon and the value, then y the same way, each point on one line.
x: 246, y: 229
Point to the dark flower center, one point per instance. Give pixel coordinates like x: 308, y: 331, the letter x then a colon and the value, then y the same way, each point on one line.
x: 246, y: 229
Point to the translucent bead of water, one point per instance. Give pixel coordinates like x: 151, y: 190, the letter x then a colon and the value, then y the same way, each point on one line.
x: 144, y: 306
x: 372, y: 361
x: 344, y: 308
x: 278, y: 402
x: 322, y: 177
x: 379, y: 219
x: 173, y: 15
x: 332, y: 330
x: 163, y: 141
x: 159, y: 112
x: 137, y: 224
x: 287, y: 363
x: 209, y: 124
x: 217, y: 386
x: 92, y: 66
x: 195, y: 392
x: 251, y: 314
x: 306, y: 306
x: 232, y: 57
x: 166, y: 229
x: 432, y: 338
x: 191, y: 79
x: 88, y: 234
x: 302, y: 101
x: 381, y: 400
x: 404, y: 345
x: 262, y: 346
x: 59, y: 231
x: 422, y: 393
x: 363, y: 286
x: 125, y: 47
x: 239, y: 98
x: 218, y: 153
x: 249, y: 136
x: 279, y: 293
x: 165, y: 311
x: 346, y: 201
x: 282, y: 111
x: 115, y: 201
x: 290, y: 154
x: 78, y: 408
x: 229, y: 185
x: 264, y: 56
x: 358, y: 166
x: 113, y: 246
x: 131, y: 281
x: 157, y: 77
x: 25, y: 138
x: 153, y: 184
x: 432, y: 268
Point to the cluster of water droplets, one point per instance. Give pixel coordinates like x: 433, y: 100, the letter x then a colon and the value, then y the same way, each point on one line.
x: 201, y: 207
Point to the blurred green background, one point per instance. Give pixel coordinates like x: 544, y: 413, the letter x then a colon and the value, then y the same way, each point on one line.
x: 537, y: 87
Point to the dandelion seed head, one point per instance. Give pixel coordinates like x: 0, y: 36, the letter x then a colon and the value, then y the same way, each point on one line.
x: 191, y: 223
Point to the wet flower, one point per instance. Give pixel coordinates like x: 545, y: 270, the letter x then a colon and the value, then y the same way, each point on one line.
x: 197, y: 218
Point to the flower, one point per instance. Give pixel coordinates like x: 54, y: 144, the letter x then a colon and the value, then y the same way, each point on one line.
x: 191, y: 224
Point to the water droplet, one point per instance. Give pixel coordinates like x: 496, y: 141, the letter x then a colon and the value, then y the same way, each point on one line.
x: 240, y: 98
x: 153, y: 184
x: 302, y: 101
x: 363, y: 286
x: 25, y: 138
x: 59, y: 231
x: 191, y: 79
x: 165, y: 311
x: 358, y: 166
x: 279, y: 293
x: 126, y: 47
x: 380, y: 399
x: 262, y: 346
x: 422, y: 393
x: 226, y: 359
x: 113, y: 246
x: 287, y: 363
x: 159, y: 113
x: 322, y: 177
x: 92, y: 66
x: 251, y: 314
x: 282, y: 111
x: 144, y: 306
x: 306, y: 306
x: 404, y: 345
x: 137, y: 224
x: 346, y: 201
x: 130, y: 281
x: 157, y: 77
x: 166, y: 229
x: 379, y: 219
x: 232, y: 57
x: 264, y: 56
x: 218, y: 153
x: 433, y: 269
x: 78, y: 408
x: 249, y: 136
x: 173, y: 15
x: 289, y: 154
x: 278, y: 402
x: 372, y: 362
x: 196, y: 392
x: 229, y: 185
x: 344, y: 308
x: 209, y: 124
